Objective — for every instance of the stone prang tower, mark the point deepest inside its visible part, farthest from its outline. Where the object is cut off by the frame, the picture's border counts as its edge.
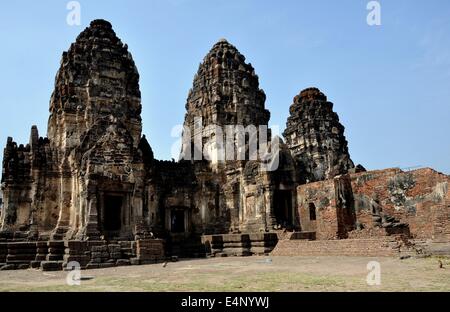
(226, 90)
(92, 157)
(316, 137)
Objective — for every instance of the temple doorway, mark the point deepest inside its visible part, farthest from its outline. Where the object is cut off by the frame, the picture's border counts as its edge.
(177, 221)
(112, 213)
(283, 207)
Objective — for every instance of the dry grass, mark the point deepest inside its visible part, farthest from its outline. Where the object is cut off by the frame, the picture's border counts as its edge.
(246, 274)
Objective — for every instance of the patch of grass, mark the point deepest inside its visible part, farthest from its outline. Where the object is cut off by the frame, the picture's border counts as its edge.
(247, 275)
(270, 281)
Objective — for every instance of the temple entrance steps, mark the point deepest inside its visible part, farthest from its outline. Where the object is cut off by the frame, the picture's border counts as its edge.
(294, 235)
(303, 236)
(21, 254)
(224, 245)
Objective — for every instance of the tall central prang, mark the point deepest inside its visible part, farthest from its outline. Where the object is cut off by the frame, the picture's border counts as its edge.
(226, 90)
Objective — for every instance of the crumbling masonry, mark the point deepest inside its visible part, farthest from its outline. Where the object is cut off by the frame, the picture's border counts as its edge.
(92, 192)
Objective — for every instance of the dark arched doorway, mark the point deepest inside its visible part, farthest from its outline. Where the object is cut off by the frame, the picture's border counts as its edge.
(283, 207)
(113, 213)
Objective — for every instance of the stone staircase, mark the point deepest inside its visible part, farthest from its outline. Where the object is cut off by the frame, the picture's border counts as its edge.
(21, 254)
(224, 245)
(294, 235)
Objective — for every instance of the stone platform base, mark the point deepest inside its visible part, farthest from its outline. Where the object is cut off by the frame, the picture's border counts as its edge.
(345, 247)
(223, 245)
(59, 255)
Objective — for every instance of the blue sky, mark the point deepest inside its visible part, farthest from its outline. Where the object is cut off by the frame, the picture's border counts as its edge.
(390, 84)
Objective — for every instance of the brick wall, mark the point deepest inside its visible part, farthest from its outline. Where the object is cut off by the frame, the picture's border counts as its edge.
(332, 203)
(417, 198)
(442, 220)
(344, 247)
(322, 196)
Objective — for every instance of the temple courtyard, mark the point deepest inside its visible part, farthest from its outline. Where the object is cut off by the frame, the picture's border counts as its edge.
(246, 274)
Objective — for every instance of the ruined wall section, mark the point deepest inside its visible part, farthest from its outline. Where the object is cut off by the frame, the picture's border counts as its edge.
(376, 204)
(29, 184)
(327, 208)
(417, 198)
(16, 186)
(317, 209)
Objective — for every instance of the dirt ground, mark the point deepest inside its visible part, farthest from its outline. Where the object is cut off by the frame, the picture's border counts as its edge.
(246, 274)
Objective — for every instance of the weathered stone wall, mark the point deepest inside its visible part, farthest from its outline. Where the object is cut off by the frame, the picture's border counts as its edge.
(30, 186)
(56, 255)
(149, 251)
